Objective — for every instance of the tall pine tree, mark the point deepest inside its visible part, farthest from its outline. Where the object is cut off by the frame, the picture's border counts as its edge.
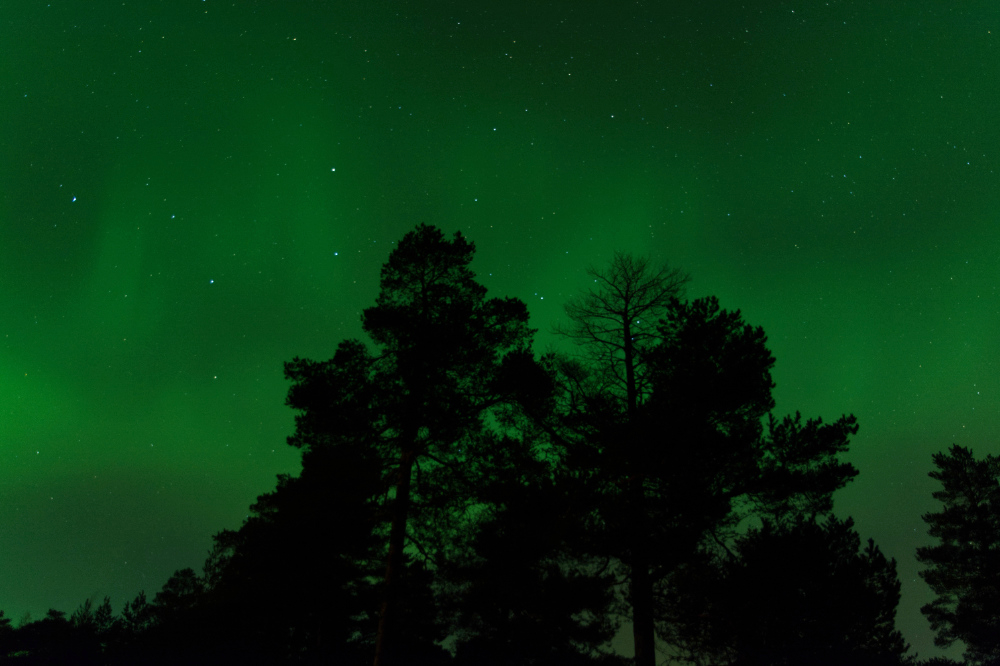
(442, 349)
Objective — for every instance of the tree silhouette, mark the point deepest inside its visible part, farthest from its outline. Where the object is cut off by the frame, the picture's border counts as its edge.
(443, 359)
(964, 567)
(519, 592)
(132, 624)
(710, 460)
(295, 583)
(6, 630)
(385, 446)
(54, 640)
(442, 347)
(295, 577)
(799, 593)
(680, 458)
(454, 487)
(615, 324)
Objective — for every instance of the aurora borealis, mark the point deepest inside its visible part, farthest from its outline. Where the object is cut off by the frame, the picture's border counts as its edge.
(193, 192)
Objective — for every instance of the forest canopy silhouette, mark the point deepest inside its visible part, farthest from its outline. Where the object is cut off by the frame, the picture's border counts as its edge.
(465, 500)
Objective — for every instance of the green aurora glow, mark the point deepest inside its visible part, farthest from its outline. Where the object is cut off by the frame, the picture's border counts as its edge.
(193, 192)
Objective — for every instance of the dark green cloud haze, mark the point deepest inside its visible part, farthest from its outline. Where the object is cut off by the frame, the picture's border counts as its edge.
(193, 192)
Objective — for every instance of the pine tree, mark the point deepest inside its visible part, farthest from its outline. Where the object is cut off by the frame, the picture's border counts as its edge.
(442, 348)
(803, 592)
(963, 569)
(522, 591)
(675, 449)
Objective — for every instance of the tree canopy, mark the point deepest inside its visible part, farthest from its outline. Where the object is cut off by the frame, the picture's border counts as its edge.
(800, 592)
(678, 458)
(462, 501)
(963, 568)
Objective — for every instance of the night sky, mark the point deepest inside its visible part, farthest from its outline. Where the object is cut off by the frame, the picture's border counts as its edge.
(193, 192)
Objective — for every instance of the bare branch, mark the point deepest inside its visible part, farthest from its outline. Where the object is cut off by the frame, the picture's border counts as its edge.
(614, 322)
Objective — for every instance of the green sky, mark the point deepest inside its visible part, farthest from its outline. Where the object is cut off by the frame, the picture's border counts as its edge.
(194, 191)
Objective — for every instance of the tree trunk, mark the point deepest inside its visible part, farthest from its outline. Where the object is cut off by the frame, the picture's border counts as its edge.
(640, 589)
(631, 395)
(394, 567)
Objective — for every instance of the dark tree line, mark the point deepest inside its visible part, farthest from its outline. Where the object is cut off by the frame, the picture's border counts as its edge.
(465, 501)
